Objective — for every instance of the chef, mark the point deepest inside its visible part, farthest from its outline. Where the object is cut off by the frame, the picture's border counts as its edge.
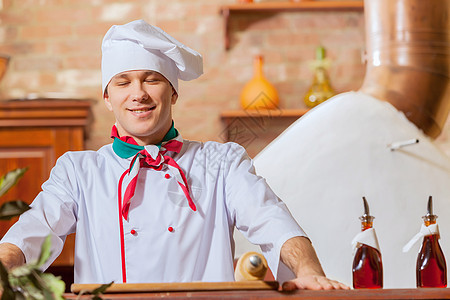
(152, 206)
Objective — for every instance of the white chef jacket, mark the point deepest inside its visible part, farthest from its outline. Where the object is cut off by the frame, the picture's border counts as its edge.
(164, 240)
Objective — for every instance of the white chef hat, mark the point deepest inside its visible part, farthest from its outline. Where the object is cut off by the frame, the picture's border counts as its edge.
(140, 46)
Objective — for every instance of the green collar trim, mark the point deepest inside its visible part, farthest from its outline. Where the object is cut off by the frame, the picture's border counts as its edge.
(126, 150)
(171, 134)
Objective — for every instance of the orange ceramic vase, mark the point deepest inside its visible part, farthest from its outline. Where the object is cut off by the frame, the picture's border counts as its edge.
(3, 65)
(259, 93)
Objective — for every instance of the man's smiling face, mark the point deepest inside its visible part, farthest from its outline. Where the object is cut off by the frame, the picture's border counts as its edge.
(142, 102)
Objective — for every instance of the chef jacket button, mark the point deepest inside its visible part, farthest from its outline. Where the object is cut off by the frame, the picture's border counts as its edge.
(133, 232)
(170, 229)
(167, 176)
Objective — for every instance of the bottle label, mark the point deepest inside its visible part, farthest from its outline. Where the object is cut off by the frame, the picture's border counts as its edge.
(424, 231)
(367, 237)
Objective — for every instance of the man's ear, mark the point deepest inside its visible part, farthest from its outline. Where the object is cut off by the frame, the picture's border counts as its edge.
(174, 96)
(107, 101)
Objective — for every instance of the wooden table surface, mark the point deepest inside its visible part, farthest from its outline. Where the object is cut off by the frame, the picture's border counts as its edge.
(424, 293)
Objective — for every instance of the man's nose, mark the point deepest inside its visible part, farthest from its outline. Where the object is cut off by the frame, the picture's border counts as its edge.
(138, 92)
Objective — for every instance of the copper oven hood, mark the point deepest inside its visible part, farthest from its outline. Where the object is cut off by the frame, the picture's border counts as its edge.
(408, 58)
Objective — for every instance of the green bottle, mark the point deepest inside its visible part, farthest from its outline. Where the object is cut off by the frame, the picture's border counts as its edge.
(320, 89)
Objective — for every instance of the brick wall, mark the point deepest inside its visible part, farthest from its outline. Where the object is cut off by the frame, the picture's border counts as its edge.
(55, 48)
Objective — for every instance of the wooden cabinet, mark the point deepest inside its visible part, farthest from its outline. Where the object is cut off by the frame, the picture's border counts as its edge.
(33, 134)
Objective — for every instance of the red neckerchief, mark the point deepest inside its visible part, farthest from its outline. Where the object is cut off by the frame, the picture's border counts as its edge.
(155, 160)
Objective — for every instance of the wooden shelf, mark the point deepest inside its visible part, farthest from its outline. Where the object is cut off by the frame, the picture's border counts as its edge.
(274, 7)
(275, 113)
(295, 6)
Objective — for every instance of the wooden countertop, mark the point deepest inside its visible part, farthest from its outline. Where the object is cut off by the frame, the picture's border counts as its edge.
(424, 293)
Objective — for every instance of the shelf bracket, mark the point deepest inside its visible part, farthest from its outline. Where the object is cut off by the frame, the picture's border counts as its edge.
(226, 26)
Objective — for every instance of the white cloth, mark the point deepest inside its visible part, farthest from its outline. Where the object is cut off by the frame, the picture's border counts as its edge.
(338, 152)
(424, 231)
(367, 237)
(140, 46)
(81, 196)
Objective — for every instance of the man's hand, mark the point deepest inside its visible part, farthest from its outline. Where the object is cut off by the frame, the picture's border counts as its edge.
(11, 256)
(313, 282)
(299, 255)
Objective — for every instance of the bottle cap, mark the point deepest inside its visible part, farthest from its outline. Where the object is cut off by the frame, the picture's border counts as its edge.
(366, 217)
(430, 217)
(320, 53)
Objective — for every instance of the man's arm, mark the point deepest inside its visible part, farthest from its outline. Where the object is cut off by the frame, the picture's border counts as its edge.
(11, 256)
(298, 254)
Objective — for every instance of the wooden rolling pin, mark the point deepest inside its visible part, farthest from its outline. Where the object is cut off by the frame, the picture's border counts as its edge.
(250, 266)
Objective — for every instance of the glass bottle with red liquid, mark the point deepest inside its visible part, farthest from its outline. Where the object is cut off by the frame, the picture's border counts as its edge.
(367, 266)
(431, 269)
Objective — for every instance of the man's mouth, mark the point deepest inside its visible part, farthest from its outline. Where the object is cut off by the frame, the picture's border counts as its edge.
(141, 109)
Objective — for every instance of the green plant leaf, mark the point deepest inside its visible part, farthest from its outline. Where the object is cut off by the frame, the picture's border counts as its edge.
(18, 296)
(45, 251)
(10, 294)
(54, 285)
(21, 271)
(48, 295)
(6, 286)
(101, 289)
(4, 278)
(31, 287)
(10, 179)
(12, 209)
